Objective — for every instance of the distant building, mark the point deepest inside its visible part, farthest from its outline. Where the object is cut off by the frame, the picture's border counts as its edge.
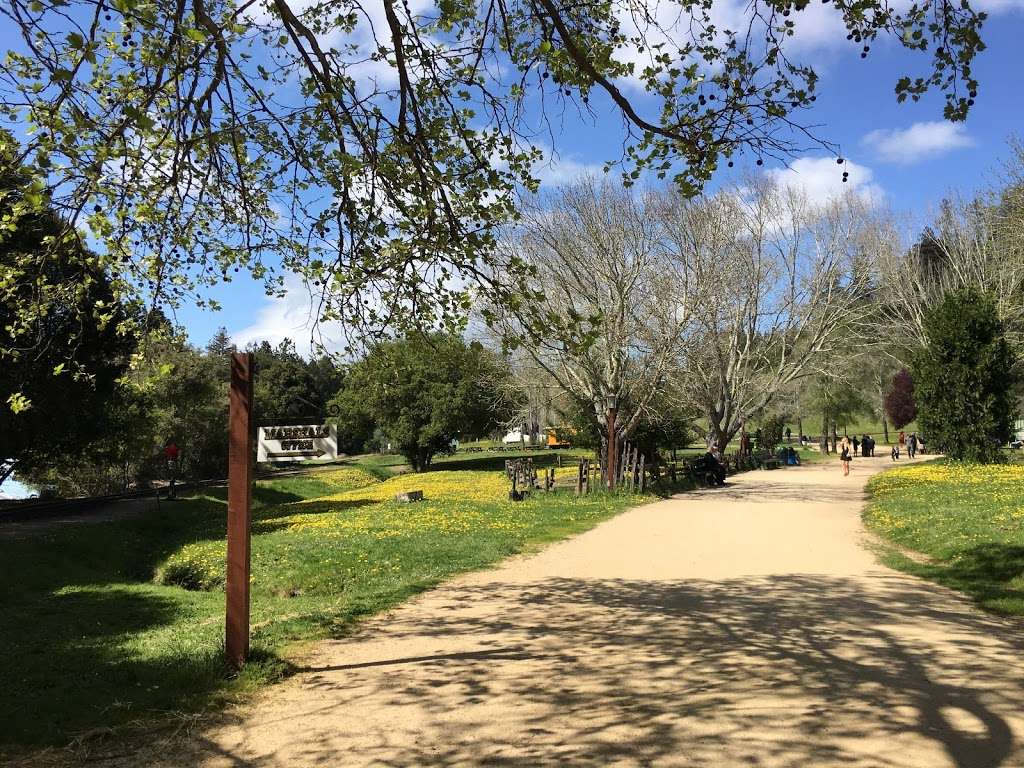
(524, 437)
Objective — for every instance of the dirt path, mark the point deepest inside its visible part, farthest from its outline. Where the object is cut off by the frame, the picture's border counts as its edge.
(746, 626)
(115, 510)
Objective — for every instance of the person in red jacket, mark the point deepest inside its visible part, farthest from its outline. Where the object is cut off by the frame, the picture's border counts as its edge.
(171, 453)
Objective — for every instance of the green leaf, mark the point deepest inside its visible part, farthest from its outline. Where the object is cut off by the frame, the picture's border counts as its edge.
(140, 118)
(18, 402)
(76, 41)
(195, 35)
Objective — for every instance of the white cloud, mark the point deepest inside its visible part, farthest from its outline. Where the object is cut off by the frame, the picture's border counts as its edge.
(559, 171)
(920, 141)
(821, 179)
(293, 316)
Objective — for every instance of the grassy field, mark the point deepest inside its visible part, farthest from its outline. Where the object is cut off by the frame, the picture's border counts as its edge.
(968, 520)
(115, 622)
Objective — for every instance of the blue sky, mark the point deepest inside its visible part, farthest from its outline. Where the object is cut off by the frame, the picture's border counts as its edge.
(903, 155)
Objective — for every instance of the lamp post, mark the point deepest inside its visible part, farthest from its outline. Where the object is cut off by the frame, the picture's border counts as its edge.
(612, 404)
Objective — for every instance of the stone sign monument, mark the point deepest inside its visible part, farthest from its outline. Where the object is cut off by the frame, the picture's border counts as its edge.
(297, 443)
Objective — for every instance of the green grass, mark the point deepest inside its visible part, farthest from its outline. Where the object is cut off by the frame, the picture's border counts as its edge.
(114, 622)
(965, 521)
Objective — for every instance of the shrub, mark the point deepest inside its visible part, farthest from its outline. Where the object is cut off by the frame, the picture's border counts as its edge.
(198, 567)
(771, 433)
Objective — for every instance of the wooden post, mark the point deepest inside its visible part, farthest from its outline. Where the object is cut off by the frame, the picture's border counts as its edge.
(236, 625)
(642, 479)
(612, 439)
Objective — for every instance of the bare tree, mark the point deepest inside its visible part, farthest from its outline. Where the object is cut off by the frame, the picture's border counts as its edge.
(973, 243)
(778, 278)
(606, 313)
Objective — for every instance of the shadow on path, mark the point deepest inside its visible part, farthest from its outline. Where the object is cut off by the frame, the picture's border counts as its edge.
(795, 670)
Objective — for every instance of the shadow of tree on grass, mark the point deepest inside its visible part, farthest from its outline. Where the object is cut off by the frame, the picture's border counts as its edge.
(992, 574)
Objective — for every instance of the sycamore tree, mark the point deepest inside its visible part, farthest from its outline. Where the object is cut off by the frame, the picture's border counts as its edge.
(779, 281)
(605, 316)
(372, 145)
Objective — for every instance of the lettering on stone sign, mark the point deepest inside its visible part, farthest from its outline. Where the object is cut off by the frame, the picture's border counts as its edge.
(297, 433)
(297, 445)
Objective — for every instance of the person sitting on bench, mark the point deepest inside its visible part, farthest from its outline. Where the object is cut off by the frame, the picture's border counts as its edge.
(712, 467)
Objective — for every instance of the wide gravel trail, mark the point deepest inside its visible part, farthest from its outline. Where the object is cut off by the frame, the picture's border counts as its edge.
(743, 626)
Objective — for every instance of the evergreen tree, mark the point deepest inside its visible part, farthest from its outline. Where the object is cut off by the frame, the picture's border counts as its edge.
(423, 393)
(963, 377)
(221, 344)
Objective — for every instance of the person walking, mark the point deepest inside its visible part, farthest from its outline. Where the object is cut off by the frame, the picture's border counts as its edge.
(172, 453)
(845, 455)
(789, 434)
(856, 444)
(912, 445)
(895, 453)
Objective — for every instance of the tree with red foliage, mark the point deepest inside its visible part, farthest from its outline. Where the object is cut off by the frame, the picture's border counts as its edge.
(899, 402)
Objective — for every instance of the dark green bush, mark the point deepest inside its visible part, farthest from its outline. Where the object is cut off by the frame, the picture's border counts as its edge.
(963, 377)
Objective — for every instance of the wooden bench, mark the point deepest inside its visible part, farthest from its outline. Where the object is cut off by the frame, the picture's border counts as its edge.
(766, 460)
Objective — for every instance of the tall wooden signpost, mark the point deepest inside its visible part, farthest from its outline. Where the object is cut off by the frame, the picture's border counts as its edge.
(236, 639)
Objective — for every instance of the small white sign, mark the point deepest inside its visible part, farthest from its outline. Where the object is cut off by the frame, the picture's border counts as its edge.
(297, 443)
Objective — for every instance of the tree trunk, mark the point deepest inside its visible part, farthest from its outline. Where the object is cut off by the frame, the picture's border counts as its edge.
(716, 435)
(823, 442)
(834, 436)
(885, 429)
(799, 429)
